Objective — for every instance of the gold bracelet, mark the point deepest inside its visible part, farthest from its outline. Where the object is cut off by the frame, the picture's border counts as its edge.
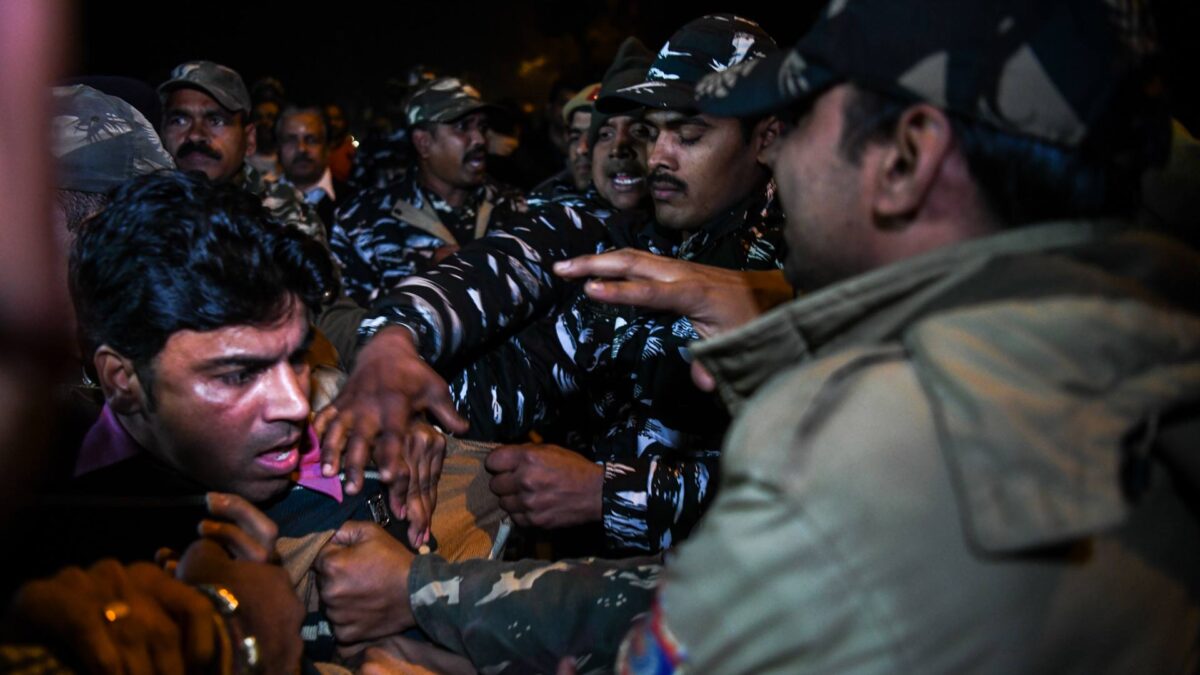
(249, 661)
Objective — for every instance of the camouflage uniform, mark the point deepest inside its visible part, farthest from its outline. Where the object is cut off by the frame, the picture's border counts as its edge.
(384, 235)
(522, 617)
(283, 202)
(614, 383)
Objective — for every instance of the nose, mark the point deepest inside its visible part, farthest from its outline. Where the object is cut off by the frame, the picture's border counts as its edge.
(477, 136)
(622, 144)
(287, 398)
(662, 153)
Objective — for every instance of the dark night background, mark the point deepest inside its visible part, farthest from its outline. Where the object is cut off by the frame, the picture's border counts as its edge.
(346, 49)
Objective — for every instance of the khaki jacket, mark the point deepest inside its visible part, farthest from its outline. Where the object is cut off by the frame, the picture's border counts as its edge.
(976, 460)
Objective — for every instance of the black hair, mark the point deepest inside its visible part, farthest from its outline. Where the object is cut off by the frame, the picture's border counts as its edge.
(79, 206)
(1023, 180)
(174, 251)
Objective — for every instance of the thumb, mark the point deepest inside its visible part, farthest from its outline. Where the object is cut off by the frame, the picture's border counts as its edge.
(352, 532)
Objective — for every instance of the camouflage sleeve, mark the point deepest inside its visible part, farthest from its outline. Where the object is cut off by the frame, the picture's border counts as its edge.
(652, 503)
(350, 245)
(491, 287)
(286, 204)
(511, 389)
(525, 616)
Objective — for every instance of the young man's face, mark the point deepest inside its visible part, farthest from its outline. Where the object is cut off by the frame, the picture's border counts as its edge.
(579, 158)
(699, 167)
(203, 136)
(303, 150)
(619, 161)
(821, 194)
(457, 152)
(230, 406)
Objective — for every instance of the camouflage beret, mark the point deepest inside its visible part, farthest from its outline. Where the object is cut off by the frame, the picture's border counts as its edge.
(1050, 69)
(584, 100)
(100, 141)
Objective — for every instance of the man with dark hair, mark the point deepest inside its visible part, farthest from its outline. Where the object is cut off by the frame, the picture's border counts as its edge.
(969, 446)
(445, 201)
(193, 308)
(207, 128)
(303, 135)
(575, 178)
(646, 447)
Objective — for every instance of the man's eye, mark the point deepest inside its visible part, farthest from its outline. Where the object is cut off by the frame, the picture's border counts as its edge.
(240, 377)
(176, 121)
(605, 134)
(643, 132)
(216, 121)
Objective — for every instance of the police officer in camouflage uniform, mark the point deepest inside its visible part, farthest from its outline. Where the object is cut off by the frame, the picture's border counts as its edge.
(445, 201)
(651, 452)
(206, 127)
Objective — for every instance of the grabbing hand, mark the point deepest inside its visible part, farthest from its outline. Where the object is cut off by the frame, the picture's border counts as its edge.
(389, 385)
(238, 525)
(362, 577)
(113, 618)
(546, 486)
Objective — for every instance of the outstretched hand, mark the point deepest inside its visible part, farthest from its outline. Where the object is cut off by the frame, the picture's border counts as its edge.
(714, 299)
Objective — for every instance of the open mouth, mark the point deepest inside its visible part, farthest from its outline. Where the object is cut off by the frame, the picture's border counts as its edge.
(626, 182)
(282, 459)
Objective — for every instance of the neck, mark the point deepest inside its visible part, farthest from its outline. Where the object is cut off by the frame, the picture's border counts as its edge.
(453, 195)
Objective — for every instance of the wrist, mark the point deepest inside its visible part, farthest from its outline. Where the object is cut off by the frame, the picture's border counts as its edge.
(240, 650)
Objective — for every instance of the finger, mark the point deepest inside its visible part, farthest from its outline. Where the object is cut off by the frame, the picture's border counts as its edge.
(165, 556)
(190, 610)
(566, 667)
(332, 431)
(240, 545)
(515, 505)
(245, 515)
(358, 451)
(389, 456)
(703, 379)
(353, 532)
(505, 484)
(624, 263)
(439, 404)
(641, 293)
(93, 643)
(417, 514)
(436, 461)
(504, 458)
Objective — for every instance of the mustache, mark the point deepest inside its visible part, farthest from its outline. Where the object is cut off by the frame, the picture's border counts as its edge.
(477, 152)
(189, 147)
(632, 167)
(659, 177)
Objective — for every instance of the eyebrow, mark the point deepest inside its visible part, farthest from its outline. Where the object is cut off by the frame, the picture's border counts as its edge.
(686, 121)
(257, 361)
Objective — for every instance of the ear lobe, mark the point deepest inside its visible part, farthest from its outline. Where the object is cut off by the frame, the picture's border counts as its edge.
(421, 141)
(909, 164)
(768, 133)
(118, 380)
(251, 139)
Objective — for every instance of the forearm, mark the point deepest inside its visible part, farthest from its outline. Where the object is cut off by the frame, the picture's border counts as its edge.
(490, 288)
(531, 613)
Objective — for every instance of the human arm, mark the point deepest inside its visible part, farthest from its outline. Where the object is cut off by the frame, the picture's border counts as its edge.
(715, 299)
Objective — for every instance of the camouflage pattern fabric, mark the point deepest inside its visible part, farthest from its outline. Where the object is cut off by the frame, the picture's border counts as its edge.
(284, 203)
(98, 141)
(381, 160)
(524, 616)
(377, 245)
(612, 383)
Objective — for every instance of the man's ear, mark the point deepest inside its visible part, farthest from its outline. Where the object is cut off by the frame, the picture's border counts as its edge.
(908, 165)
(251, 139)
(422, 140)
(118, 380)
(766, 135)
